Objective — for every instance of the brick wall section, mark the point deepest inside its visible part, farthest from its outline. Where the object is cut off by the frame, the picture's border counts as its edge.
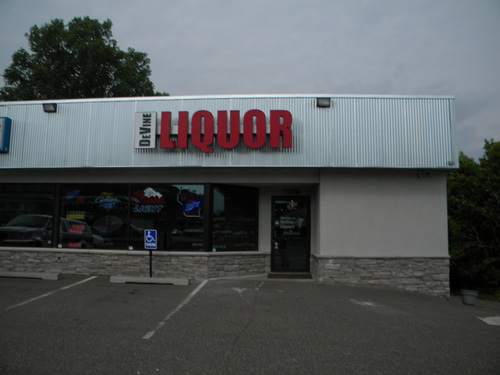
(422, 275)
(134, 263)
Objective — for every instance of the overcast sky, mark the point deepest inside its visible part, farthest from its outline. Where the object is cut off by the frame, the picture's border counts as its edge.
(388, 47)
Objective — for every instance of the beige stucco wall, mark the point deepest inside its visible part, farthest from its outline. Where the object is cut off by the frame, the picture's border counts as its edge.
(400, 213)
(284, 177)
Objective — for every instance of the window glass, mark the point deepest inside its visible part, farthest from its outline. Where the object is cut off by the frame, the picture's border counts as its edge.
(26, 214)
(235, 212)
(114, 216)
(175, 211)
(94, 216)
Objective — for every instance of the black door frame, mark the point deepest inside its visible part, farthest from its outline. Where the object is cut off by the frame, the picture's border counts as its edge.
(275, 245)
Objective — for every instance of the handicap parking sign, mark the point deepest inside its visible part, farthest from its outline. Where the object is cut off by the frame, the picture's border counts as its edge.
(150, 237)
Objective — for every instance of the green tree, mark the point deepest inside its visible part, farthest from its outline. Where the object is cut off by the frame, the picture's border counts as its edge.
(77, 60)
(474, 221)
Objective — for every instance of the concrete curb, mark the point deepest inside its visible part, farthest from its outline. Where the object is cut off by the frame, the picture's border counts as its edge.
(148, 280)
(31, 275)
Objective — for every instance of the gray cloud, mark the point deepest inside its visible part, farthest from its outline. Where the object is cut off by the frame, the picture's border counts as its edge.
(203, 47)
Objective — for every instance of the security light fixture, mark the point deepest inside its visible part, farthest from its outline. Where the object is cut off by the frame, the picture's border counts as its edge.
(50, 107)
(323, 102)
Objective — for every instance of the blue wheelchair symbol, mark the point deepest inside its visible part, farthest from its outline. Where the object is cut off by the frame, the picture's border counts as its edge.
(150, 236)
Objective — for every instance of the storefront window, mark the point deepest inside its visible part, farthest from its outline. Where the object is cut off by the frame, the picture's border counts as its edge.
(175, 211)
(115, 216)
(94, 216)
(234, 218)
(26, 214)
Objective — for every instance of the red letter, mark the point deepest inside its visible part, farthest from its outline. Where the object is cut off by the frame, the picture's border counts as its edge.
(182, 134)
(165, 141)
(234, 132)
(260, 129)
(197, 139)
(281, 123)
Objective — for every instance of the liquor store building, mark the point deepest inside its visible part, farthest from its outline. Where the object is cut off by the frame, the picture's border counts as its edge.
(346, 189)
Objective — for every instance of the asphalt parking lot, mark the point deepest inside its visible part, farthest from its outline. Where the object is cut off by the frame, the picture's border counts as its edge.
(87, 325)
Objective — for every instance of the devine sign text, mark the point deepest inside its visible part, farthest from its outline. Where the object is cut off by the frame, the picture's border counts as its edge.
(228, 129)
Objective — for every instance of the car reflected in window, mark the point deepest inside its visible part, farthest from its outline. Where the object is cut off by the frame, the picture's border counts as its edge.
(27, 230)
(32, 230)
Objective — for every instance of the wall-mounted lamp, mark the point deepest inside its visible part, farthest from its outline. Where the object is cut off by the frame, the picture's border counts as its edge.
(50, 107)
(323, 102)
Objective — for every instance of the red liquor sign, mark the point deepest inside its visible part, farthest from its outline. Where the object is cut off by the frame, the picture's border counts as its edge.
(227, 129)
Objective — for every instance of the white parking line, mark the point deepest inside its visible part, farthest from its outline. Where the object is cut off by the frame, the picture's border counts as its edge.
(181, 305)
(362, 303)
(48, 294)
(492, 320)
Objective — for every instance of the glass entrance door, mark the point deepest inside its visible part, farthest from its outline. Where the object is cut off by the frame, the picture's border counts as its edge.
(290, 248)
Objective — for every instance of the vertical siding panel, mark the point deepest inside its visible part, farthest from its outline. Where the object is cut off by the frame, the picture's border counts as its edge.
(357, 131)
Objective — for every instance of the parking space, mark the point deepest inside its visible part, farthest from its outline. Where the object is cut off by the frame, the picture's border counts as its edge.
(82, 325)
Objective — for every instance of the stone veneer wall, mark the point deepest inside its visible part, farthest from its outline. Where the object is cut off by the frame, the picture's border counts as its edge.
(134, 263)
(423, 275)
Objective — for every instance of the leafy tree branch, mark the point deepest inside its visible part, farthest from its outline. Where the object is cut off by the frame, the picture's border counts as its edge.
(77, 60)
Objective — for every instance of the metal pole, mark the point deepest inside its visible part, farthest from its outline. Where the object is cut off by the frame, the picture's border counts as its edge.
(150, 263)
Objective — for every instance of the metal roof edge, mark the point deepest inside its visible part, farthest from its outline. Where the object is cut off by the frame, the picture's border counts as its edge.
(238, 96)
(230, 167)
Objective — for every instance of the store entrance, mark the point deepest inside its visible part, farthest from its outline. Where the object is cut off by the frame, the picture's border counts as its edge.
(290, 234)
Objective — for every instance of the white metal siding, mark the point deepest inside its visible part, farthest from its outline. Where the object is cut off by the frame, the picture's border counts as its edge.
(356, 132)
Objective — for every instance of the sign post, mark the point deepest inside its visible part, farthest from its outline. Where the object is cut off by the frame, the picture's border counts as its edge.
(150, 243)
